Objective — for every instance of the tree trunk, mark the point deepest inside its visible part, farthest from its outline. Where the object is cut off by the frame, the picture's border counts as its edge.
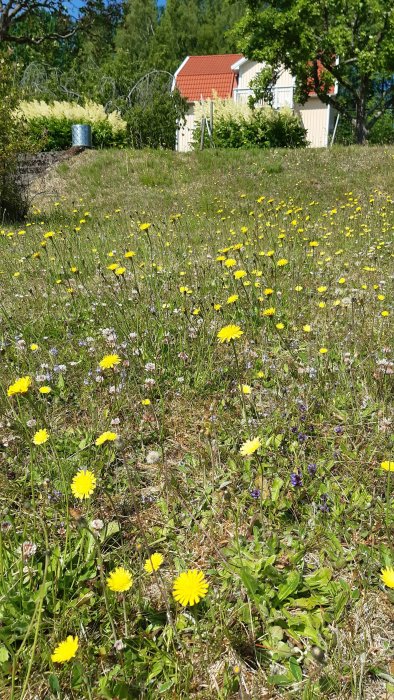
(361, 112)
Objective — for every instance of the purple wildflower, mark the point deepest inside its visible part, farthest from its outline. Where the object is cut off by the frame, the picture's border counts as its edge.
(296, 479)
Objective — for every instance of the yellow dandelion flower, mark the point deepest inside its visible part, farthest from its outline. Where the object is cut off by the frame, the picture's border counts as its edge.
(269, 312)
(145, 402)
(268, 291)
(249, 447)
(34, 347)
(246, 389)
(83, 484)
(45, 390)
(387, 576)
(120, 580)
(385, 314)
(107, 436)
(41, 436)
(109, 361)
(112, 267)
(232, 299)
(282, 262)
(217, 307)
(21, 386)
(239, 274)
(65, 650)
(129, 254)
(306, 328)
(298, 288)
(120, 271)
(323, 351)
(280, 326)
(190, 587)
(322, 289)
(228, 333)
(154, 562)
(387, 466)
(230, 262)
(145, 226)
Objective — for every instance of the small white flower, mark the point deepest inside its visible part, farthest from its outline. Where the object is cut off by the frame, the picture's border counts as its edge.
(152, 457)
(97, 524)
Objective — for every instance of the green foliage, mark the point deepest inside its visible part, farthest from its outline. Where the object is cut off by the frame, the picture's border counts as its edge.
(154, 124)
(13, 194)
(383, 130)
(192, 27)
(381, 133)
(54, 133)
(350, 43)
(266, 128)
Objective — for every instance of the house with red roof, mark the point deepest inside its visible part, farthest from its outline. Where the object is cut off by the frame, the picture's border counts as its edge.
(201, 79)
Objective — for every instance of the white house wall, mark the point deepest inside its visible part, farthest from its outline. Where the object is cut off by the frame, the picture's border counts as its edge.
(283, 91)
(248, 71)
(184, 136)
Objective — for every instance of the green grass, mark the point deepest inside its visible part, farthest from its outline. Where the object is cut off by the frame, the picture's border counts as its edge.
(296, 607)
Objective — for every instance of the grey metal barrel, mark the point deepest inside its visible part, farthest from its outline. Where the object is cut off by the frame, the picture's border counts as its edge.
(81, 135)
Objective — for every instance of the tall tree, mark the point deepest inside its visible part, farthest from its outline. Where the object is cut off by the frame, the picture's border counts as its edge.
(134, 38)
(348, 42)
(191, 27)
(21, 21)
(98, 22)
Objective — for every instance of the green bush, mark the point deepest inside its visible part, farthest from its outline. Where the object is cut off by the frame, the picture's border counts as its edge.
(383, 131)
(54, 133)
(265, 128)
(154, 124)
(13, 192)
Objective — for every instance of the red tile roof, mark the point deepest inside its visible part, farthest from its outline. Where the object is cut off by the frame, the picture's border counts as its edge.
(207, 76)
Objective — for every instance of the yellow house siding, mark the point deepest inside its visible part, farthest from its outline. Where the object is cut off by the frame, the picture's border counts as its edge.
(314, 115)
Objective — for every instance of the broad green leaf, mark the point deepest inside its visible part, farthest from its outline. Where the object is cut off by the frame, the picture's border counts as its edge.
(112, 528)
(276, 487)
(165, 686)
(295, 669)
(54, 683)
(4, 655)
(314, 601)
(319, 579)
(280, 679)
(287, 589)
(250, 582)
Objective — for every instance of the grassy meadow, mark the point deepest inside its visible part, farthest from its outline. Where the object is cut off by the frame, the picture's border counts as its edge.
(260, 460)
